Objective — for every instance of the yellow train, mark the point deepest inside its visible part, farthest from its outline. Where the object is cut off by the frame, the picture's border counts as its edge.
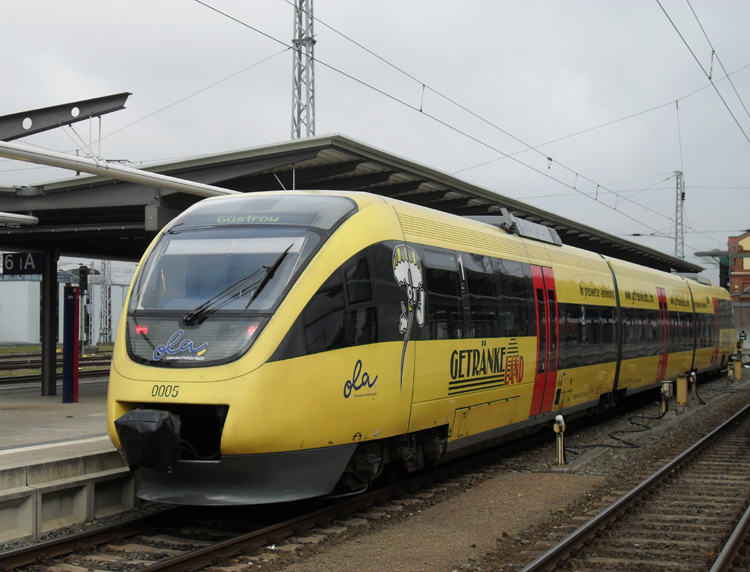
(284, 345)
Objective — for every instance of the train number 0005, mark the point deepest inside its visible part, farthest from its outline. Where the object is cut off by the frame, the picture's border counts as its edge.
(161, 390)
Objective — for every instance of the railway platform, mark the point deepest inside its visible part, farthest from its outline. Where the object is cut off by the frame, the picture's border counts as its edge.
(57, 464)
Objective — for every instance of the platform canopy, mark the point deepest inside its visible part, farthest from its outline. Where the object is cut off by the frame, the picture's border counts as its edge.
(97, 217)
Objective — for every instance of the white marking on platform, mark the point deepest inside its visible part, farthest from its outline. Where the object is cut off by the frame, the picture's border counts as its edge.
(51, 445)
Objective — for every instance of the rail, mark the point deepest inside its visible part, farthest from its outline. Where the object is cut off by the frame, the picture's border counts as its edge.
(553, 557)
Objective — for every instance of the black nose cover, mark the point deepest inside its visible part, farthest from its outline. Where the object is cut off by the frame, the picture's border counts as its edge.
(149, 438)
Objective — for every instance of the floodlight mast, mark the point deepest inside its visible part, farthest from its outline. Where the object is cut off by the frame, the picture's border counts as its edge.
(109, 170)
(303, 72)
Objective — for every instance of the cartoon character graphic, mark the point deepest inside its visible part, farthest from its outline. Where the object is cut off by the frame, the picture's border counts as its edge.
(407, 270)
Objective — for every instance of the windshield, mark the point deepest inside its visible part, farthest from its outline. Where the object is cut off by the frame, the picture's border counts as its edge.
(188, 269)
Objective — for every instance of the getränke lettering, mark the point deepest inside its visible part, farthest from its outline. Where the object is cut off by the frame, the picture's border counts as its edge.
(468, 364)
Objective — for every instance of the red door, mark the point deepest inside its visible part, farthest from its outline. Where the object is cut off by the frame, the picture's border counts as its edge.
(663, 334)
(547, 327)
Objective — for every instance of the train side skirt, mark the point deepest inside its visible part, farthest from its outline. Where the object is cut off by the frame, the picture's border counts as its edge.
(247, 479)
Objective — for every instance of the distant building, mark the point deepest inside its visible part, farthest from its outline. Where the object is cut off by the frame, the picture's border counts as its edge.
(20, 309)
(739, 279)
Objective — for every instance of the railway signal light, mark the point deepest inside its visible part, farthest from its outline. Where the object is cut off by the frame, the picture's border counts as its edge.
(83, 278)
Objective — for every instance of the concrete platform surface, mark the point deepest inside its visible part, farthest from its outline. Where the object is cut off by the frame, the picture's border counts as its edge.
(57, 464)
(37, 428)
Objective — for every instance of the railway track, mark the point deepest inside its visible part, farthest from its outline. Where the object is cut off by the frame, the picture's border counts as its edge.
(12, 379)
(180, 542)
(16, 362)
(34, 361)
(175, 540)
(679, 518)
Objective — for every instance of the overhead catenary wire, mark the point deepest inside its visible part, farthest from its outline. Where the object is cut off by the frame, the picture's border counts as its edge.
(601, 125)
(529, 147)
(449, 126)
(423, 87)
(714, 54)
(704, 71)
(214, 84)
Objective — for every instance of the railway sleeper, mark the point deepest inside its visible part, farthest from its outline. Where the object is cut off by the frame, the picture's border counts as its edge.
(656, 544)
(623, 564)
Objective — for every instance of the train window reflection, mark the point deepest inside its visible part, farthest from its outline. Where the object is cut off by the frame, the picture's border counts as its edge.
(483, 297)
(358, 281)
(187, 269)
(444, 295)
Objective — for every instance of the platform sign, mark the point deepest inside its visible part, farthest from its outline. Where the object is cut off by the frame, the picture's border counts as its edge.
(743, 335)
(22, 263)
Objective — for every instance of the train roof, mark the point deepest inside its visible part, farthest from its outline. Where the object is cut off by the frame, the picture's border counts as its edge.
(97, 217)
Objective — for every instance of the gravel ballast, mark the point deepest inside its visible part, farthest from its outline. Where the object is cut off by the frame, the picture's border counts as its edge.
(457, 531)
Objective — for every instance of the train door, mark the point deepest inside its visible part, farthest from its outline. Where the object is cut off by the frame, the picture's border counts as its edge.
(663, 334)
(547, 322)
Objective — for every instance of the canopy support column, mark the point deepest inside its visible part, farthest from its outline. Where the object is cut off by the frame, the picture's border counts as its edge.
(49, 323)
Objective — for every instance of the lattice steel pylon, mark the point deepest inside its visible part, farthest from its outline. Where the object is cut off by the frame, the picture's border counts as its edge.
(105, 306)
(303, 88)
(679, 227)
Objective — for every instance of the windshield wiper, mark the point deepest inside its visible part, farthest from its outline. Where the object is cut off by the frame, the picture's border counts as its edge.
(270, 270)
(234, 290)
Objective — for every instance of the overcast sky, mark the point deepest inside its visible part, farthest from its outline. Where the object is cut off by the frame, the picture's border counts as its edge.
(537, 70)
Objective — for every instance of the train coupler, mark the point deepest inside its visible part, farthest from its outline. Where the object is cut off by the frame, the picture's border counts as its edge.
(149, 438)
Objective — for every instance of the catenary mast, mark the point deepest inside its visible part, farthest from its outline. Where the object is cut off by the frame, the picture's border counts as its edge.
(679, 228)
(303, 88)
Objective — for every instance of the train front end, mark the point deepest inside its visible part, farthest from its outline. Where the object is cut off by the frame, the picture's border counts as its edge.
(190, 405)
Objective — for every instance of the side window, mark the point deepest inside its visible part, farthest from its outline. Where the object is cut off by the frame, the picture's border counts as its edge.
(571, 332)
(389, 295)
(443, 286)
(519, 313)
(484, 298)
(593, 331)
(652, 325)
(358, 281)
(609, 339)
(361, 315)
(342, 313)
(587, 335)
(323, 318)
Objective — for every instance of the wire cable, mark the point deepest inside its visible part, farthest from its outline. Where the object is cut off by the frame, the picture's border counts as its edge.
(197, 92)
(479, 117)
(704, 71)
(452, 127)
(713, 53)
(604, 124)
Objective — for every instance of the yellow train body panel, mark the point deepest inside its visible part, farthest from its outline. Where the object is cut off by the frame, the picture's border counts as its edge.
(400, 333)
